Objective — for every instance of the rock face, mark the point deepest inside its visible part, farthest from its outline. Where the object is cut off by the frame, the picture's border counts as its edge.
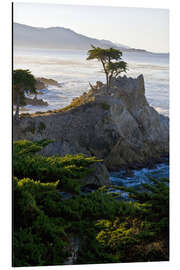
(117, 126)
(99, 177)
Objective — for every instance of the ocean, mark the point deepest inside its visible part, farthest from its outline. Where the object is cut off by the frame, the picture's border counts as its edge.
(135, 178)
(71, 69)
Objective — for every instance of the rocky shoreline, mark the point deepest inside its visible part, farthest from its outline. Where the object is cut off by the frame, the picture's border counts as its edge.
(46, 82)
(149, 164)
(36, 102)
(117, 126)
(41, 83)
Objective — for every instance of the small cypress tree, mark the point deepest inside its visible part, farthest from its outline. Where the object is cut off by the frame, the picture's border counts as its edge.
(111, 61)
(23, 82)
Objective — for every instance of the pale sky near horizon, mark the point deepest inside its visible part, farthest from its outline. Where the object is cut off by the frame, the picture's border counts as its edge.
(139, 28)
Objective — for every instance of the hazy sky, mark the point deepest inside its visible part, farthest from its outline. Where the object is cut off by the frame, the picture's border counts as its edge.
(136, 27)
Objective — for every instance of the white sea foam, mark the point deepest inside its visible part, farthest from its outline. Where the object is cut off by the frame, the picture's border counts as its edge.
(138, 177)
(73, 71)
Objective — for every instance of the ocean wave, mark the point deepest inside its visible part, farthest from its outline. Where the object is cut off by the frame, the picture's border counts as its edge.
(135, 178)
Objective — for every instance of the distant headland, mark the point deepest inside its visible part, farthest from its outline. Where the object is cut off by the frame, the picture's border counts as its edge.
(60, 38)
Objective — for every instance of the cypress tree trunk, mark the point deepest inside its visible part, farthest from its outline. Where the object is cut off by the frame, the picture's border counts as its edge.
(105, 71)
(110, 78)
(17, 107)
(107, 81)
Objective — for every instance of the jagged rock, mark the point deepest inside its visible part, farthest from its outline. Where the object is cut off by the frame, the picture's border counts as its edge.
(35, 101)
(99, 84)
(117, 125)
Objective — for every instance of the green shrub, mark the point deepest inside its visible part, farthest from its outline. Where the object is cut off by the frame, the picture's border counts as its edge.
(39, 237)
(28, 163)
(110, 228)
(137, 231)
(113, 230)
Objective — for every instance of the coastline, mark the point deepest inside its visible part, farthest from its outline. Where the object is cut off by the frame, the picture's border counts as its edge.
(64, 65)
(66, 127)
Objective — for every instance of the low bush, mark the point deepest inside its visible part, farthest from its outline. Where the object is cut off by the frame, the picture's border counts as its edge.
(113, 230)
(38, 237)
(138, 231)
(110, 229)
(28, 163)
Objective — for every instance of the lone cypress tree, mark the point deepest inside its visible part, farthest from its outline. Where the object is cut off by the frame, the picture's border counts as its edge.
(111, 61)
(23, 82)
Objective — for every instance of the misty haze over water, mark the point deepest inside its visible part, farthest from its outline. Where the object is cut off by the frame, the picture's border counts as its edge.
(73, 71)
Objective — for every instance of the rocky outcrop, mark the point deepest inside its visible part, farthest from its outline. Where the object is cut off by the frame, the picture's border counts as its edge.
(43, 83)
(39, 85)
(117, 126)
(46, 82)
(35, 101)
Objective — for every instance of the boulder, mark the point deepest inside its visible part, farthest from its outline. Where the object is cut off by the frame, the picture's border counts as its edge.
(99, 177)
